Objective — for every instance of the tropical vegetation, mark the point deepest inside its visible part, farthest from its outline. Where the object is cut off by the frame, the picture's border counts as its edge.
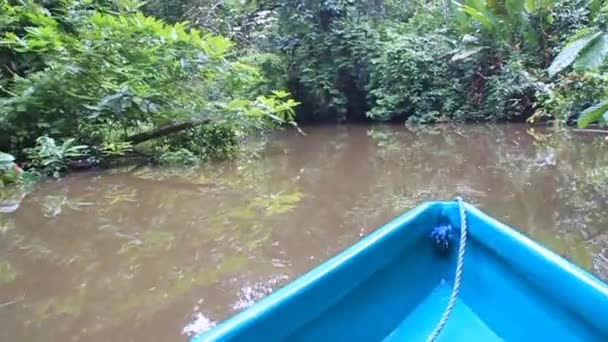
(82, 81)
(85, 82)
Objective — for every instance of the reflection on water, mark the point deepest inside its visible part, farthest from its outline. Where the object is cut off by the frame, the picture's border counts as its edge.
(199, 324)
(150, 254)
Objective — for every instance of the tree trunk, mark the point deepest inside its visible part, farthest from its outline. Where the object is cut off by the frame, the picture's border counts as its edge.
(166, 130)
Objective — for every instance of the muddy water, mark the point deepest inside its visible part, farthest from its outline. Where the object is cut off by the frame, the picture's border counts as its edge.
(158, 254)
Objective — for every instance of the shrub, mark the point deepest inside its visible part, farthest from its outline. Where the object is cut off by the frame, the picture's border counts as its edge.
(411, 78)
(511, 94)
(52, 158)
(100, 74)
(11, 173)
(573, 93)
(208, 142)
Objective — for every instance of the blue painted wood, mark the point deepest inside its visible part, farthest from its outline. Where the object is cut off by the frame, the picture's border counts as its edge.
(393, 286)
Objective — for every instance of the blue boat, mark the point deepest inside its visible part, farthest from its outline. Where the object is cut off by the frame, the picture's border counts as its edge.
(444, 271)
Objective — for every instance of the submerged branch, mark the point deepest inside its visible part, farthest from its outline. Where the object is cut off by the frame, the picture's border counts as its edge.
(590, 130)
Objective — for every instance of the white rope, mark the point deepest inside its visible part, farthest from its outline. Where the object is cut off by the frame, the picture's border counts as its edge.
(458, 276)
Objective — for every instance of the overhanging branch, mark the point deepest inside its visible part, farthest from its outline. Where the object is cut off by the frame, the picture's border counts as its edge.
(166, 130)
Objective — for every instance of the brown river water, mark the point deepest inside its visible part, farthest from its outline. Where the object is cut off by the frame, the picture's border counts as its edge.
(152, 254)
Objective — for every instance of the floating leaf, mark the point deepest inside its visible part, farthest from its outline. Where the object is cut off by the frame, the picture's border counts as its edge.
(7, 273)
(278, 203)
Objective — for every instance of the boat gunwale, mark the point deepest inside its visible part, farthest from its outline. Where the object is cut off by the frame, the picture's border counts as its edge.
(547, 254)
(493, 239)
(315, 275)
(546, 270)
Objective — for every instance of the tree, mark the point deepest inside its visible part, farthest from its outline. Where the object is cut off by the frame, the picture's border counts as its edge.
(108, 74)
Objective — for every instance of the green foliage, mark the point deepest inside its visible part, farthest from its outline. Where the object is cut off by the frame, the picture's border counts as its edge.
(52, 158)
(7, 169)
(594, 54)
(587, 47)
(277, 106)
(102, 72)
(418, 68)
(246, 22)
(420, 61)
(598, 112)
(511, 94)
(570, 16)
(202, 143)
(119, 148)
(179, 157)
(411, 78)
(87, 79)
(588, 52)
(572, 94)
(329, 69)
(11, 173)
(99, 72)
(512, 22)
(272, 68)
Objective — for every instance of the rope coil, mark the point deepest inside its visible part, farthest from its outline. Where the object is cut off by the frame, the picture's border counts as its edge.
(457, 277)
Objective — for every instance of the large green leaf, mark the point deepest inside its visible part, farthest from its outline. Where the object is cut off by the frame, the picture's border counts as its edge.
(514, 8)
(570, 52)
(594, 55)
(485, 20)
(593, 114)
(534, 6)
(479, 5)
(531, 6)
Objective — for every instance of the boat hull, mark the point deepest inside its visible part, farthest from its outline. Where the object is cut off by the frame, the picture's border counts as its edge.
(393, 285)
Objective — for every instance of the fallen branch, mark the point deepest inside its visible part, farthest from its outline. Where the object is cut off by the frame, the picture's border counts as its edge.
(590, 130)
(166, 130)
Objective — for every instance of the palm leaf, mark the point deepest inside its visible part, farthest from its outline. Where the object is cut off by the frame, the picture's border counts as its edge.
(594, 55)
(570, 52)
(593, 114)
(485, 20)
(479, 5)
(514, 8)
